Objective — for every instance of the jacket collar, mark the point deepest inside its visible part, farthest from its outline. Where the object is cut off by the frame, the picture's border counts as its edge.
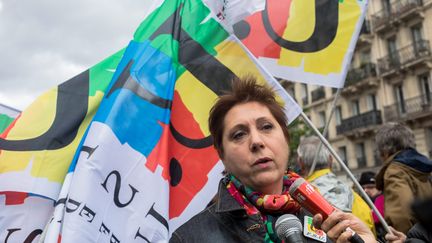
(317, 174)
(379, 178)
(225, 202)
(414, 160)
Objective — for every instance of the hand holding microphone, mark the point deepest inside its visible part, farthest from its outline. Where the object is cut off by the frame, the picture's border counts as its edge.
(339, 226)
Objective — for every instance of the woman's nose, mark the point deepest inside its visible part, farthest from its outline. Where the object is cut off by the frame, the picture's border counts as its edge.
(256, 147)
(256, 142)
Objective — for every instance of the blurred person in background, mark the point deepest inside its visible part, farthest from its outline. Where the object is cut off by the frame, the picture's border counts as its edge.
(421, 232)
(367, 182)
(333, 190)
(404, 176)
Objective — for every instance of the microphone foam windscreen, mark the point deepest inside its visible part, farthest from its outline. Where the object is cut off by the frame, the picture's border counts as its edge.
(286, 225)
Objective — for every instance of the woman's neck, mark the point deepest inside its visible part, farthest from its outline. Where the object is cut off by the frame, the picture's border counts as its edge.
(272, 190)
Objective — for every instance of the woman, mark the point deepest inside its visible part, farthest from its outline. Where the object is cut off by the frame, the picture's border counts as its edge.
(250, 134)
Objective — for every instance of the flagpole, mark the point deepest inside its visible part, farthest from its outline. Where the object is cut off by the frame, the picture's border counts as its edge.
(333, 106)
(345, 168)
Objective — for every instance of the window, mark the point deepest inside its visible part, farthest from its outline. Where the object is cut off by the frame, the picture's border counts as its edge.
(342, 152)
(417, 37)
(304, 94)
(425, 88)
(386, 6)
(338, 115)
(291, 91)
(321, 119)
(355, 107)
(365, 57)
(392, 50)
(361, 155)
(417, 34)
(371, 102)
(400, 99)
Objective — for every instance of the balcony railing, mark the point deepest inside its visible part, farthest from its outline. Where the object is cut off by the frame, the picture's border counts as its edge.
(402, 7)
(407, 109)
(359, 121)
(381, 18)
(356, 75)
(399, 9)
(318, 94)
(403, 56)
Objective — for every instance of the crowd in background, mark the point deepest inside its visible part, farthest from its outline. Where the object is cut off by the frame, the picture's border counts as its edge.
(400, 190)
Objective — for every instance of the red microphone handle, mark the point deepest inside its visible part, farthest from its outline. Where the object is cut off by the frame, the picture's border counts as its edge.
(306, 195)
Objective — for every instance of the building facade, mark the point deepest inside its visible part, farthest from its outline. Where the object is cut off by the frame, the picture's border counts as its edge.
(389, 80)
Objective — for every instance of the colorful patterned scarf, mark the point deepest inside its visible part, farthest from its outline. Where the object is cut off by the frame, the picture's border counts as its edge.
(268, 206)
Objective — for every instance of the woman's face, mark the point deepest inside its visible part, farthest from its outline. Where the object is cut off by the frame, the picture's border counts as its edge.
(255, 148)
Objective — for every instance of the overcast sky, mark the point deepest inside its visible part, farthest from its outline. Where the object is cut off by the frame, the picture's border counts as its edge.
(45, 42)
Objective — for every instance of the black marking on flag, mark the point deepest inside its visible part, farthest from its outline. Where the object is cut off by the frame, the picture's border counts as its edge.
(175, 171)
(158, 217)
(75, 205)
(32, 235)
(29, 238)
(189, 142)
(117, 189)
(10, 231)
(326, 25)
(71, 109)
(60, 201)
(242, 29)
(125, 81)
(89, 150)
(138, 234)
(204, 66)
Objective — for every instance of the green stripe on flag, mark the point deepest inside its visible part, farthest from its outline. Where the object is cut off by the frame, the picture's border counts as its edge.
(5, 120)
(101, 73)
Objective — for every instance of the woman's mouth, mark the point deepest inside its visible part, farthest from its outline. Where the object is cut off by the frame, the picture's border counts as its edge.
(263, 162)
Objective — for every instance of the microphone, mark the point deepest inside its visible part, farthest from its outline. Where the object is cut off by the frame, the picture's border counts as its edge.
(289, 229)
(306, 195)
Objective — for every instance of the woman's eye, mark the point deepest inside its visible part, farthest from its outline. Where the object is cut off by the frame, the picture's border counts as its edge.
(238, 135)
(267, 126)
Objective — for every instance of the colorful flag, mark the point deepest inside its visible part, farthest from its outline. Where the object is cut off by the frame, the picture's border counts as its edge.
(310, 41)
(37, 148)
(147, 163)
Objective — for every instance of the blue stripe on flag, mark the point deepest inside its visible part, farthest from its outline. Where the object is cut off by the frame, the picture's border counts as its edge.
(140, 97)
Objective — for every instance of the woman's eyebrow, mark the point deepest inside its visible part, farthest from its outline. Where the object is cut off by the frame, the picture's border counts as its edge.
(262, 119)
(237, 127)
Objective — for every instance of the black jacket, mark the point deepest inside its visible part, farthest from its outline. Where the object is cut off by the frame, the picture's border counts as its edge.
(418, 234)
(224, 221)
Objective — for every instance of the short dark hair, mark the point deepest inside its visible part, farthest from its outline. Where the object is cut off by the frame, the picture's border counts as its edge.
(244, 90)
(393, 137)
(367, 177)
